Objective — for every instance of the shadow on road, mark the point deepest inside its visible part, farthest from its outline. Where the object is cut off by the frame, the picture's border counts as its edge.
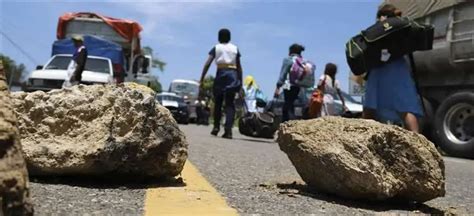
(295, 188)
(256, 140)
(110, 182)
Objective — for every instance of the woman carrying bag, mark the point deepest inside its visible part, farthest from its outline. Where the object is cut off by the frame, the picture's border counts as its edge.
(322, 99)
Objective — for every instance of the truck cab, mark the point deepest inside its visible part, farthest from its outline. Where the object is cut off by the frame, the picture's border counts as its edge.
(98, 70)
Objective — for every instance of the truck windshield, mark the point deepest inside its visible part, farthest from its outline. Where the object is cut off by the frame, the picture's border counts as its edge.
(97, 65)
(191, 90)
(346, 97)
(59, 63)
(92, 64)
(349, 98)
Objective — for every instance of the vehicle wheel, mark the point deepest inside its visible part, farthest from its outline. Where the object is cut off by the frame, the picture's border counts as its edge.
(185, 120)
(426, 123)
(454, 125)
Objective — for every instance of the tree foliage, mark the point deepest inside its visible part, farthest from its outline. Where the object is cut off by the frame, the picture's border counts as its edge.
(156, 62)
(156, 85)
(15, 74)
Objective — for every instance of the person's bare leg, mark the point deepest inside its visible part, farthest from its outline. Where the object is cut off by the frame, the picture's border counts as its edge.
(368, 113)
(411, 122)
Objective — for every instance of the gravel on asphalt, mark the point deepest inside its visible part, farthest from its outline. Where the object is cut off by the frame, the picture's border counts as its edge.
(66, 196)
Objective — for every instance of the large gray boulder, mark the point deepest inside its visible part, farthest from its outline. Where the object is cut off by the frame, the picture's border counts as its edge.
(363, 159)
(14, 192)
(99, 130)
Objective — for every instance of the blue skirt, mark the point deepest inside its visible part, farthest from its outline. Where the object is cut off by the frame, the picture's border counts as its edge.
(226, 81)
(390, 90)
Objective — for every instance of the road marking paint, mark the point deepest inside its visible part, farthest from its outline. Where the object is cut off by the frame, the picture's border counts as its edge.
(198, 197)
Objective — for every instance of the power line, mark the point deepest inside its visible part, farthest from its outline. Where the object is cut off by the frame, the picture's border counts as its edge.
(19, 48)
(7, 24)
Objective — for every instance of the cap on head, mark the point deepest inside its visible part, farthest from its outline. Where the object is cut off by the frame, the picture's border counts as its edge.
(77, 38)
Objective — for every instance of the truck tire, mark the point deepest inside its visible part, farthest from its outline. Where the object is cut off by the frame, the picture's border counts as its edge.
(454, 125)
(426, 123)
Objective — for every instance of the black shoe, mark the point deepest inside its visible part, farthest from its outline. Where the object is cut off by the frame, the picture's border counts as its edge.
(227, 134)
(215, 131)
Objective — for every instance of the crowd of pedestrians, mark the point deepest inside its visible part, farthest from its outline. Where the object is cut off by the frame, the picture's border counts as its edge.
(389, 87)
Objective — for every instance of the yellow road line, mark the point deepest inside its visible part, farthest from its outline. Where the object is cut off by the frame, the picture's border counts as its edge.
(198, 197)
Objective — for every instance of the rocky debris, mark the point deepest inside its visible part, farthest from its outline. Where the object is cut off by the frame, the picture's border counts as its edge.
(363, 159)
(14, 191)
(99, 130)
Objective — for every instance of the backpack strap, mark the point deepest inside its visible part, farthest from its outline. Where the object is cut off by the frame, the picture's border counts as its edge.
(322, 87)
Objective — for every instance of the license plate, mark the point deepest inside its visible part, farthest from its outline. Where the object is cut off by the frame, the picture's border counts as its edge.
(298, 111)
(38, 82)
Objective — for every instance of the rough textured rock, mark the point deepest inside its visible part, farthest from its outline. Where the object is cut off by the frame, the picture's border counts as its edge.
(363, 159)
(14, 192)
(99, 130)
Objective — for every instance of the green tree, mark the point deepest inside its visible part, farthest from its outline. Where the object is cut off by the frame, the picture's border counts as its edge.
(14, 73)
(156, 85)
(156, 62)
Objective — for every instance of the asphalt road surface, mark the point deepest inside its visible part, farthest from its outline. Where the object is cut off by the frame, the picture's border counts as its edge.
(253, 175)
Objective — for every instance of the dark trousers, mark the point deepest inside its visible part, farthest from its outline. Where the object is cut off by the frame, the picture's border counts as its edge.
(229, 97)
(289, 107)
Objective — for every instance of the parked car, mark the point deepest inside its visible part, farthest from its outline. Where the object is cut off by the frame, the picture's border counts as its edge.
(176, 105)
(354, 107)
(98, 70)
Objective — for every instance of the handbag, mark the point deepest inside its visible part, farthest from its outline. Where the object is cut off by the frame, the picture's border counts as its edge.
(316, 101)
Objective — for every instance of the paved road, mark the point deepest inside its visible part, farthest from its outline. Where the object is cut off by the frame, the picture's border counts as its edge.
(257, 178)
(252, 174)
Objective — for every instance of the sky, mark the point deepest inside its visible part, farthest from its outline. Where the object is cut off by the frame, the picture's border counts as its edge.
(182, 32)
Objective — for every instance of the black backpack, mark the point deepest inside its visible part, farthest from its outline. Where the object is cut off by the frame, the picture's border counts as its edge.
(397, 36)
(258, 124)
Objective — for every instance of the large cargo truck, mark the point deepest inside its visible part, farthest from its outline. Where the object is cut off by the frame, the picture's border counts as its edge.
(99, 68)
(124, 32)
(446, 73)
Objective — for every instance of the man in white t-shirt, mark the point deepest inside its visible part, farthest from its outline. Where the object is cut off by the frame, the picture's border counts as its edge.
(228, 80)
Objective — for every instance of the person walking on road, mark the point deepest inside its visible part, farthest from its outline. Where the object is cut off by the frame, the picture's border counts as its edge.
(227, 83)
(290, 91)
(390, 87)
(78, 62)
(252, 94)
(331, 87)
